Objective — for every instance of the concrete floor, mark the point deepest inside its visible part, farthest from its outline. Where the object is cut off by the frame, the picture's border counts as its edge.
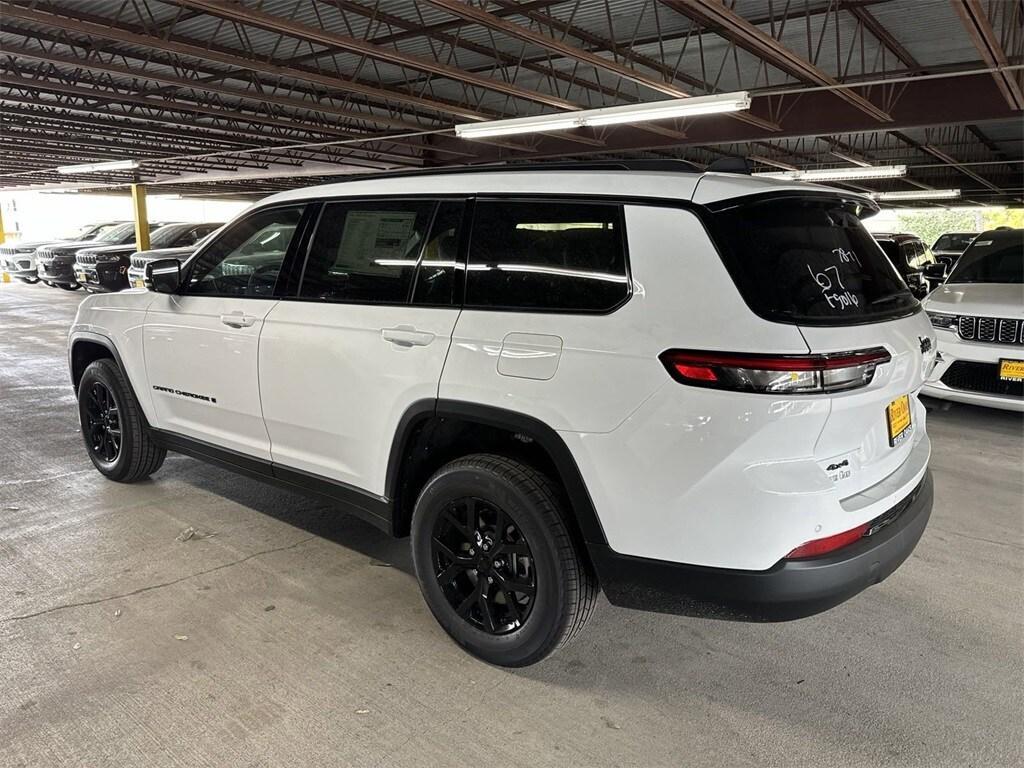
(308, 642)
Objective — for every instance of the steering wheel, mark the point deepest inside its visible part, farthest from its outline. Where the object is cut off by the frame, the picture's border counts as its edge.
(258, 285)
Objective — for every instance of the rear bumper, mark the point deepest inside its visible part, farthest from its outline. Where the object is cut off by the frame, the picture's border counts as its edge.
(791, 589)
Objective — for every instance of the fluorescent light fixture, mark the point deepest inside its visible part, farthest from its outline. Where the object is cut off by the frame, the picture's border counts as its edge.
(627, 113)
(849, 158)
(115, 165)
(839, 174)
(918, 194)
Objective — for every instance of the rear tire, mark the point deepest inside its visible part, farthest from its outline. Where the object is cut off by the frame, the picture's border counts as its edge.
(116, 437)
(495, 561)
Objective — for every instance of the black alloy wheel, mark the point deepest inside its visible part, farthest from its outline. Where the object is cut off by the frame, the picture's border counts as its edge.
(484, 565)
(495, 561)
(103, 423)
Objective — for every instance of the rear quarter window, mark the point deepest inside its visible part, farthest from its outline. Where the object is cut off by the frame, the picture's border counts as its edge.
(547, 256)
(809, 261)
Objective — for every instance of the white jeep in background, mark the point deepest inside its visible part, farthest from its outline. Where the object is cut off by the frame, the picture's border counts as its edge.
(978, 314)
(694, 391)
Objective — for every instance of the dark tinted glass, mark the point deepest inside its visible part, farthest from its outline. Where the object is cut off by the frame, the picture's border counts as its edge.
(435, 279)
(808, 260)
(366, 252)
(992, 259)
(169, 236)
(547, 256)
(953, 241)
(116, 235)
(246, 259)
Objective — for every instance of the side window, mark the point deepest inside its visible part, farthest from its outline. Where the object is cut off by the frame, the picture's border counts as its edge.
(547, 256)
(246, 259)
(439, 265)
(909, 255)
(366, 252)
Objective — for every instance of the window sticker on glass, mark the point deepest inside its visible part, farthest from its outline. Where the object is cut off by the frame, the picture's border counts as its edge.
(377, 235)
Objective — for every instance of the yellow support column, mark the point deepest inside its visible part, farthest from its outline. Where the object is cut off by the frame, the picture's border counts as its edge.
(141, 219)
(4, 277)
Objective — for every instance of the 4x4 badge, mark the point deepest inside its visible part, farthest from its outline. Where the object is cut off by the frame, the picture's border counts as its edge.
(926, 343)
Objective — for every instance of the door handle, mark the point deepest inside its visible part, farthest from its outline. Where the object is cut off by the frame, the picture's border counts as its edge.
(238, 320)
(407, 336)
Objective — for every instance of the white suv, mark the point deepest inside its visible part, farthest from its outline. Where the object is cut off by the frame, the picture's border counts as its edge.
(979, 317)
(697, 392)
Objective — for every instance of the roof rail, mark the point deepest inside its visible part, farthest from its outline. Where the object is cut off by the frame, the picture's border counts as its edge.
(643, 164)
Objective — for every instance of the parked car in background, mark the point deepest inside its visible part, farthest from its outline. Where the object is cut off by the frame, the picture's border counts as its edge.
(139, 259)
(523, 372)
(949, 246)
(105, 268)
(55, 261)
(978, 316)
(911, 257)
(19, 260)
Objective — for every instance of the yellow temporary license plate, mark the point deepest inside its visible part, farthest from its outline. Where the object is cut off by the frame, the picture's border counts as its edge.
(1011, 370)
(80, 276)
(897, 416)
(138, 283)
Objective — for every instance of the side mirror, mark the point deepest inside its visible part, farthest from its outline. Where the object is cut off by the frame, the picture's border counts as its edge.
(935, 271)
(163, 276)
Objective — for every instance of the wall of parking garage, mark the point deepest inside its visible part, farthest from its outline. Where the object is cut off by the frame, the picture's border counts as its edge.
(42, 215)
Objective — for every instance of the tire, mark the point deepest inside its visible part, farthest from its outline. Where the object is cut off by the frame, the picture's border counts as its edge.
(29, 280)
(469, 500)
(135, 456)
(68, 286)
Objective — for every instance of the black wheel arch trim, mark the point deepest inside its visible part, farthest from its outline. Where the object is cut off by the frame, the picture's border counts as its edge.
(581, 505)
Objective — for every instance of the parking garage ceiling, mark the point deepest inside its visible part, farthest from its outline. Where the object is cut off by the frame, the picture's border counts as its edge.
(224, 97)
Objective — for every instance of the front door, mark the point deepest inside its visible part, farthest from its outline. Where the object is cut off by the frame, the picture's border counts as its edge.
(201, 345)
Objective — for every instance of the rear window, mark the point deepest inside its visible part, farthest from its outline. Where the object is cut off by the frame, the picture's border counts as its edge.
(810, 261)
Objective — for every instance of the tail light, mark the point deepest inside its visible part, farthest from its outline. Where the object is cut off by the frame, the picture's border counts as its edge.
(781, 374)
(829, 543)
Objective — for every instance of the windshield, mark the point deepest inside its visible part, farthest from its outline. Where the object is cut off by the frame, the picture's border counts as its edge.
(954, 241)
(992, 259)
(810, 261)
(116, 234)
(165, 237)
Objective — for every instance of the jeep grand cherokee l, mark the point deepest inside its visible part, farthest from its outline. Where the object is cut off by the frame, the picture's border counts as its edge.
(695, 391)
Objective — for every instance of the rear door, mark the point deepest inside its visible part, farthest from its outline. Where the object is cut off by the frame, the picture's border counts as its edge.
(201, 345)
(808, 261)
(364, 336)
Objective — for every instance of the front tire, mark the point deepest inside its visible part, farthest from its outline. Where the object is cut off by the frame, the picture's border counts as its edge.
(29, 280)
(68, 286)
(116, 437)
(495, 561)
